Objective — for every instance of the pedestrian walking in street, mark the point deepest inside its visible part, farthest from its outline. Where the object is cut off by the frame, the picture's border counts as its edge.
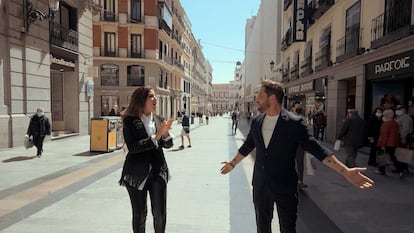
(207, 116)
(145, 169)
(234, 121)
(353, 135)
(296, 109)
(276, 134)
(185, 131)
(374, 125)
(389, 139)
(39, 127)
(319, 122)
(405, 122)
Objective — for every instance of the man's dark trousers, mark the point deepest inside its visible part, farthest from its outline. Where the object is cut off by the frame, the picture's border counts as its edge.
(286, 204)
(38, 142)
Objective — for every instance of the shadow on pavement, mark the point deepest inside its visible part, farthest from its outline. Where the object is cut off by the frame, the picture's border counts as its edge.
(89, 153)
(311, 218)
(175, 150)
(18, 158)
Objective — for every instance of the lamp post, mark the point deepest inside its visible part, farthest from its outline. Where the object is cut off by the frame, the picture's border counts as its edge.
(31, 15)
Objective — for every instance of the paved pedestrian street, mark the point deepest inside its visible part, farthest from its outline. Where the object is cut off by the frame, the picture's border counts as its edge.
(72, 190)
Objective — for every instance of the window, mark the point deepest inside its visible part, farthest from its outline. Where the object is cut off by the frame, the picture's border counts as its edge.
(308, 50)
(136, 11)
(296, 58)
(136, 46)
(163, 80)
(109, 105)
(109, 10)
(161, 77)
(110, 45)
(352, 27)
(109, 75)
(136, 75)
(325, 39)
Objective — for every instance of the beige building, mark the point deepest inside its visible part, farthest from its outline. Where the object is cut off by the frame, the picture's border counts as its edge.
(45, 63)
(262, 47)
(145, 43)
(220, 98)
(348, 54)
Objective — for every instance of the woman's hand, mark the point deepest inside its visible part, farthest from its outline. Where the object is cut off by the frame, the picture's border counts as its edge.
(163, 130)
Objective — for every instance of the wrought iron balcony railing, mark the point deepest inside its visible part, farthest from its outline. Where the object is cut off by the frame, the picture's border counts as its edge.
(390, 26)
(64, 37)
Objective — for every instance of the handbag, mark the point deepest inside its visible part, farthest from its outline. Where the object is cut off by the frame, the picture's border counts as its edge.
(383, 158)
(310, 164)
(28, 142)
(404, 155)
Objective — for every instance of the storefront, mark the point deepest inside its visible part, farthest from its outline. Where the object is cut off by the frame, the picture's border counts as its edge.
(308, 94)
(390, 82)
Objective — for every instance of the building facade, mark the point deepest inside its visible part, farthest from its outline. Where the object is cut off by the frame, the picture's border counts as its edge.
(145, 43)
(220, 98)
(262, 48)
(348, 54)
(45, 64)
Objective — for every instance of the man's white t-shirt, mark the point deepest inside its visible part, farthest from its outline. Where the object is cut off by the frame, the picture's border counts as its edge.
(268, 127)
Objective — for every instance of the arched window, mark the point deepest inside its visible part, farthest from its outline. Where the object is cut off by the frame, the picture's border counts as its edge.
(136, 75)
(109, 75)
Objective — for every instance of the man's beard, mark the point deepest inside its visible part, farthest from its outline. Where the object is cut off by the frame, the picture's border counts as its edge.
(263, 107)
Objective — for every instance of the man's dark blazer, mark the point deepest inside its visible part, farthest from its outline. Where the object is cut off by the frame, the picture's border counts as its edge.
(275, 165)
(143, 156)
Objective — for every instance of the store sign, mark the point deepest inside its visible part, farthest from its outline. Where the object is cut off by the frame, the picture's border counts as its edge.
(390, 66)
(394, 65)
(61, 61)
(302, 88)
(299, 20)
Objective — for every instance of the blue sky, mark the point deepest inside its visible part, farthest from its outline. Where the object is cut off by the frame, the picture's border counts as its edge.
(220, 25)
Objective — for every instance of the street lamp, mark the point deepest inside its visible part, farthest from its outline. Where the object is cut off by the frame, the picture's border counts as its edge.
(31, 15)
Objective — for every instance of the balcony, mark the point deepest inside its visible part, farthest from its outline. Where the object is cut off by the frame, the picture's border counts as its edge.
(107, 52)
(138, 19)
(391, 26)
(63, 37)
(167, 59)
(109, 16)
(136, 53)
(306, 66)
(287, 40)
(178, 64)
(286, 4)
(320, 7)
(294, 72)
(323, 58)
(348, 46)
(285, 75)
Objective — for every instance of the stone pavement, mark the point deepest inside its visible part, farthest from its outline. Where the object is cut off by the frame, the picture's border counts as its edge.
(71, 190)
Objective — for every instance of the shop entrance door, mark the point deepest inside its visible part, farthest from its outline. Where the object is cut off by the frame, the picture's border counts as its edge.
(57, 88)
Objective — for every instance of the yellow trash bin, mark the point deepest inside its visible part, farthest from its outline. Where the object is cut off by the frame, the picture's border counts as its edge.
(104, 134)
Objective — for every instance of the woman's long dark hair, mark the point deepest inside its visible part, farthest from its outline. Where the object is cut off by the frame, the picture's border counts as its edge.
(137, 103)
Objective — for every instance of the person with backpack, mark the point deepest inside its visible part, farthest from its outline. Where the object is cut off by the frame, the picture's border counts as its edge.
(185, 123)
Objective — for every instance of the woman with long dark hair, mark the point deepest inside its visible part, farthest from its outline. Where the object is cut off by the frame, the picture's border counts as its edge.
(145, 169)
